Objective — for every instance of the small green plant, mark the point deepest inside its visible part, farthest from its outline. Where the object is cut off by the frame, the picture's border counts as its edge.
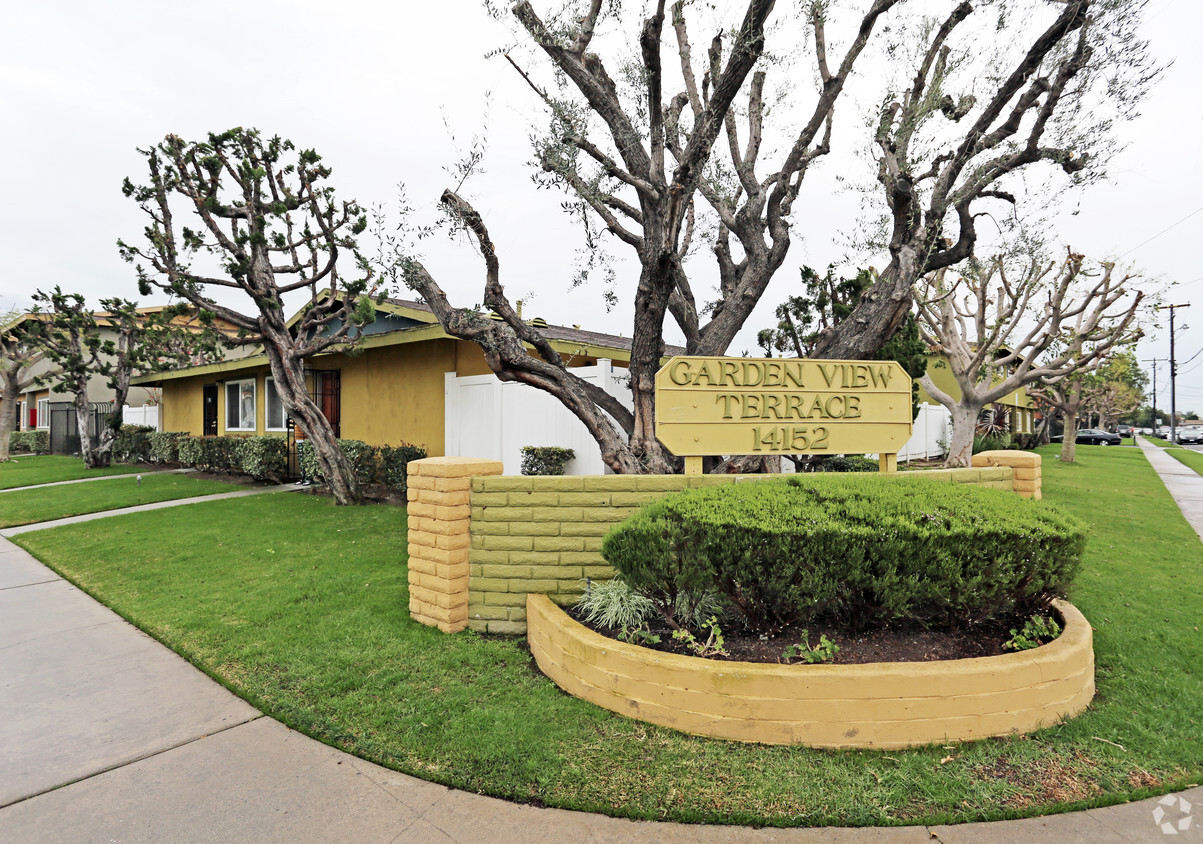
(545, 459)
(824, 651)
(1036, 631)
(714, 644)
(613, 603)
(640, 635)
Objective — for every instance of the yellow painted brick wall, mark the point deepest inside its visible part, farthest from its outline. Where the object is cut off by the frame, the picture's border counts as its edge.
(438, 493)
(544, 534)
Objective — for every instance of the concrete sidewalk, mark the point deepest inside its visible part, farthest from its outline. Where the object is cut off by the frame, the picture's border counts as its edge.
(1183, 483)
(106, 735)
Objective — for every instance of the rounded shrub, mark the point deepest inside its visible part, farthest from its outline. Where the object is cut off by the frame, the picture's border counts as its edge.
(857, 551)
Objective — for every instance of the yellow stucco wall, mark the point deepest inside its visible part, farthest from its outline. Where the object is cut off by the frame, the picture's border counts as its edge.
(394, 394)
(181, 409)
(389, 394)
(941, 374)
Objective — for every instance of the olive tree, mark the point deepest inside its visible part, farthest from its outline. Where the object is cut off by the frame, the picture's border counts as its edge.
(265, 223)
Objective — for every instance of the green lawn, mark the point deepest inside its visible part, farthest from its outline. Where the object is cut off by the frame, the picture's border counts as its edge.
(27, 506)
(30, 469)
(300, 607)
(1187, 457)
(1161, 443)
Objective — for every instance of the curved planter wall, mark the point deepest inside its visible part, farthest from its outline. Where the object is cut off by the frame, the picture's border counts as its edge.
(879, 705)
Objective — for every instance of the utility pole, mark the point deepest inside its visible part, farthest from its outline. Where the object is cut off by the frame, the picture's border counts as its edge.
(1173, 372)
(1156, 428)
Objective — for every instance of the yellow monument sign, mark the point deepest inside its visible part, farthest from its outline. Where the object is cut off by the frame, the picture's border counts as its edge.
(782, 406)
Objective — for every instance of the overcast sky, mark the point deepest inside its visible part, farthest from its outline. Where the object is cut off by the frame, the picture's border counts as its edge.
(379, 88)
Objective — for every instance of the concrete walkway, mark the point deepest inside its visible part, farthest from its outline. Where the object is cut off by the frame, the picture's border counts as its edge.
(100, 478)
(140, 508)
(106, 735)
(1183, 483)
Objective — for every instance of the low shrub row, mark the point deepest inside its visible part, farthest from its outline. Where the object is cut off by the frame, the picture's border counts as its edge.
(132, 444)
(29, 442)
(859, 551)
(263, 458)
(385, 465)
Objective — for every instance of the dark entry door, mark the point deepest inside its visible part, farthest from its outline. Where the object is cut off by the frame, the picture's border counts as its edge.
(327, 389)
(210, 402)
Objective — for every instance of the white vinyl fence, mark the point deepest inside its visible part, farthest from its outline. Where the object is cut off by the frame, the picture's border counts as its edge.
(486, 417)
(930, 435)
(145, 415)
(493, 419)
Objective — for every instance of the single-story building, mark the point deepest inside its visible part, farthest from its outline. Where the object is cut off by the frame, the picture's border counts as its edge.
(391, 388)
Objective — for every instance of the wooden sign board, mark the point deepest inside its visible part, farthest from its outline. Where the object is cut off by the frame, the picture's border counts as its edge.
(732, 406)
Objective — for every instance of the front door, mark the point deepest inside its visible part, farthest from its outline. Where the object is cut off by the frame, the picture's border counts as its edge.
(210, 402)
(327, 389)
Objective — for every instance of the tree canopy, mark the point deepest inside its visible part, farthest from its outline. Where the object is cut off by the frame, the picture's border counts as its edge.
(690, 161)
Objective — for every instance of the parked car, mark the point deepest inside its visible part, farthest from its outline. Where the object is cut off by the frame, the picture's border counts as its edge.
(1091, 436)
(1190, 435)
(1125, 430)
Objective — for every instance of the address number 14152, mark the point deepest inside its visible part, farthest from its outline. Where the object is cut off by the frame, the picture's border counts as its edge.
(789, 438)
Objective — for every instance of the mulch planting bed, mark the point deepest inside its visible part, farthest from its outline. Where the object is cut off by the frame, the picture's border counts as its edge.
(881, 645)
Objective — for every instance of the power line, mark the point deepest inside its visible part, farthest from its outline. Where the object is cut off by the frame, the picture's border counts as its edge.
(1163, 231)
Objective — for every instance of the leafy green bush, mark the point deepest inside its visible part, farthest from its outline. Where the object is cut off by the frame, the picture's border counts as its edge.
(163, 446)
(858, 551)
(392, 464)
(210, 454)
(188, 450)
(844, 463)
(263, 458)
(1036, 631)
(29, 442)
(545, 459)
(385, 465)
(992, 442)
(132, 444)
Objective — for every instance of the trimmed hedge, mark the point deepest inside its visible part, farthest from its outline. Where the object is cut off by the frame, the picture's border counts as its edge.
(29, 442)
(385, 465)
(858, 551)
(164, 446)
(210, 454)
(132, 444)
(263, 458)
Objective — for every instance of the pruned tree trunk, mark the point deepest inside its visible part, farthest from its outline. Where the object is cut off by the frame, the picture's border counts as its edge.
(964, 425)
(1069, 435)
(289, 374)
(8, 415)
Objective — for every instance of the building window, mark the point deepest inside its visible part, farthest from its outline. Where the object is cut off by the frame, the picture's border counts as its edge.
(273, 409)
(240, 405)
(42, 420)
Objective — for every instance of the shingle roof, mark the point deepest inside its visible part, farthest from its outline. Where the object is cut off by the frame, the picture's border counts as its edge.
(554, 332)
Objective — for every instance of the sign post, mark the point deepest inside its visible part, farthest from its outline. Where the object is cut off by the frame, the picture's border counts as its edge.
(782, 406)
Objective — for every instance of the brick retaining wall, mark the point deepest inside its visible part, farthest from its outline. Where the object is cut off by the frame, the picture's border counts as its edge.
(543, 534)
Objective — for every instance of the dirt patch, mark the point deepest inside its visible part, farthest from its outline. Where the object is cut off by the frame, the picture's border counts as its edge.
(372, 493)
(1045, 780)
(890, 644)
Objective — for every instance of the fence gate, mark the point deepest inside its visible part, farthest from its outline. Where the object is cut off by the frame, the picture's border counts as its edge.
(64, 432)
